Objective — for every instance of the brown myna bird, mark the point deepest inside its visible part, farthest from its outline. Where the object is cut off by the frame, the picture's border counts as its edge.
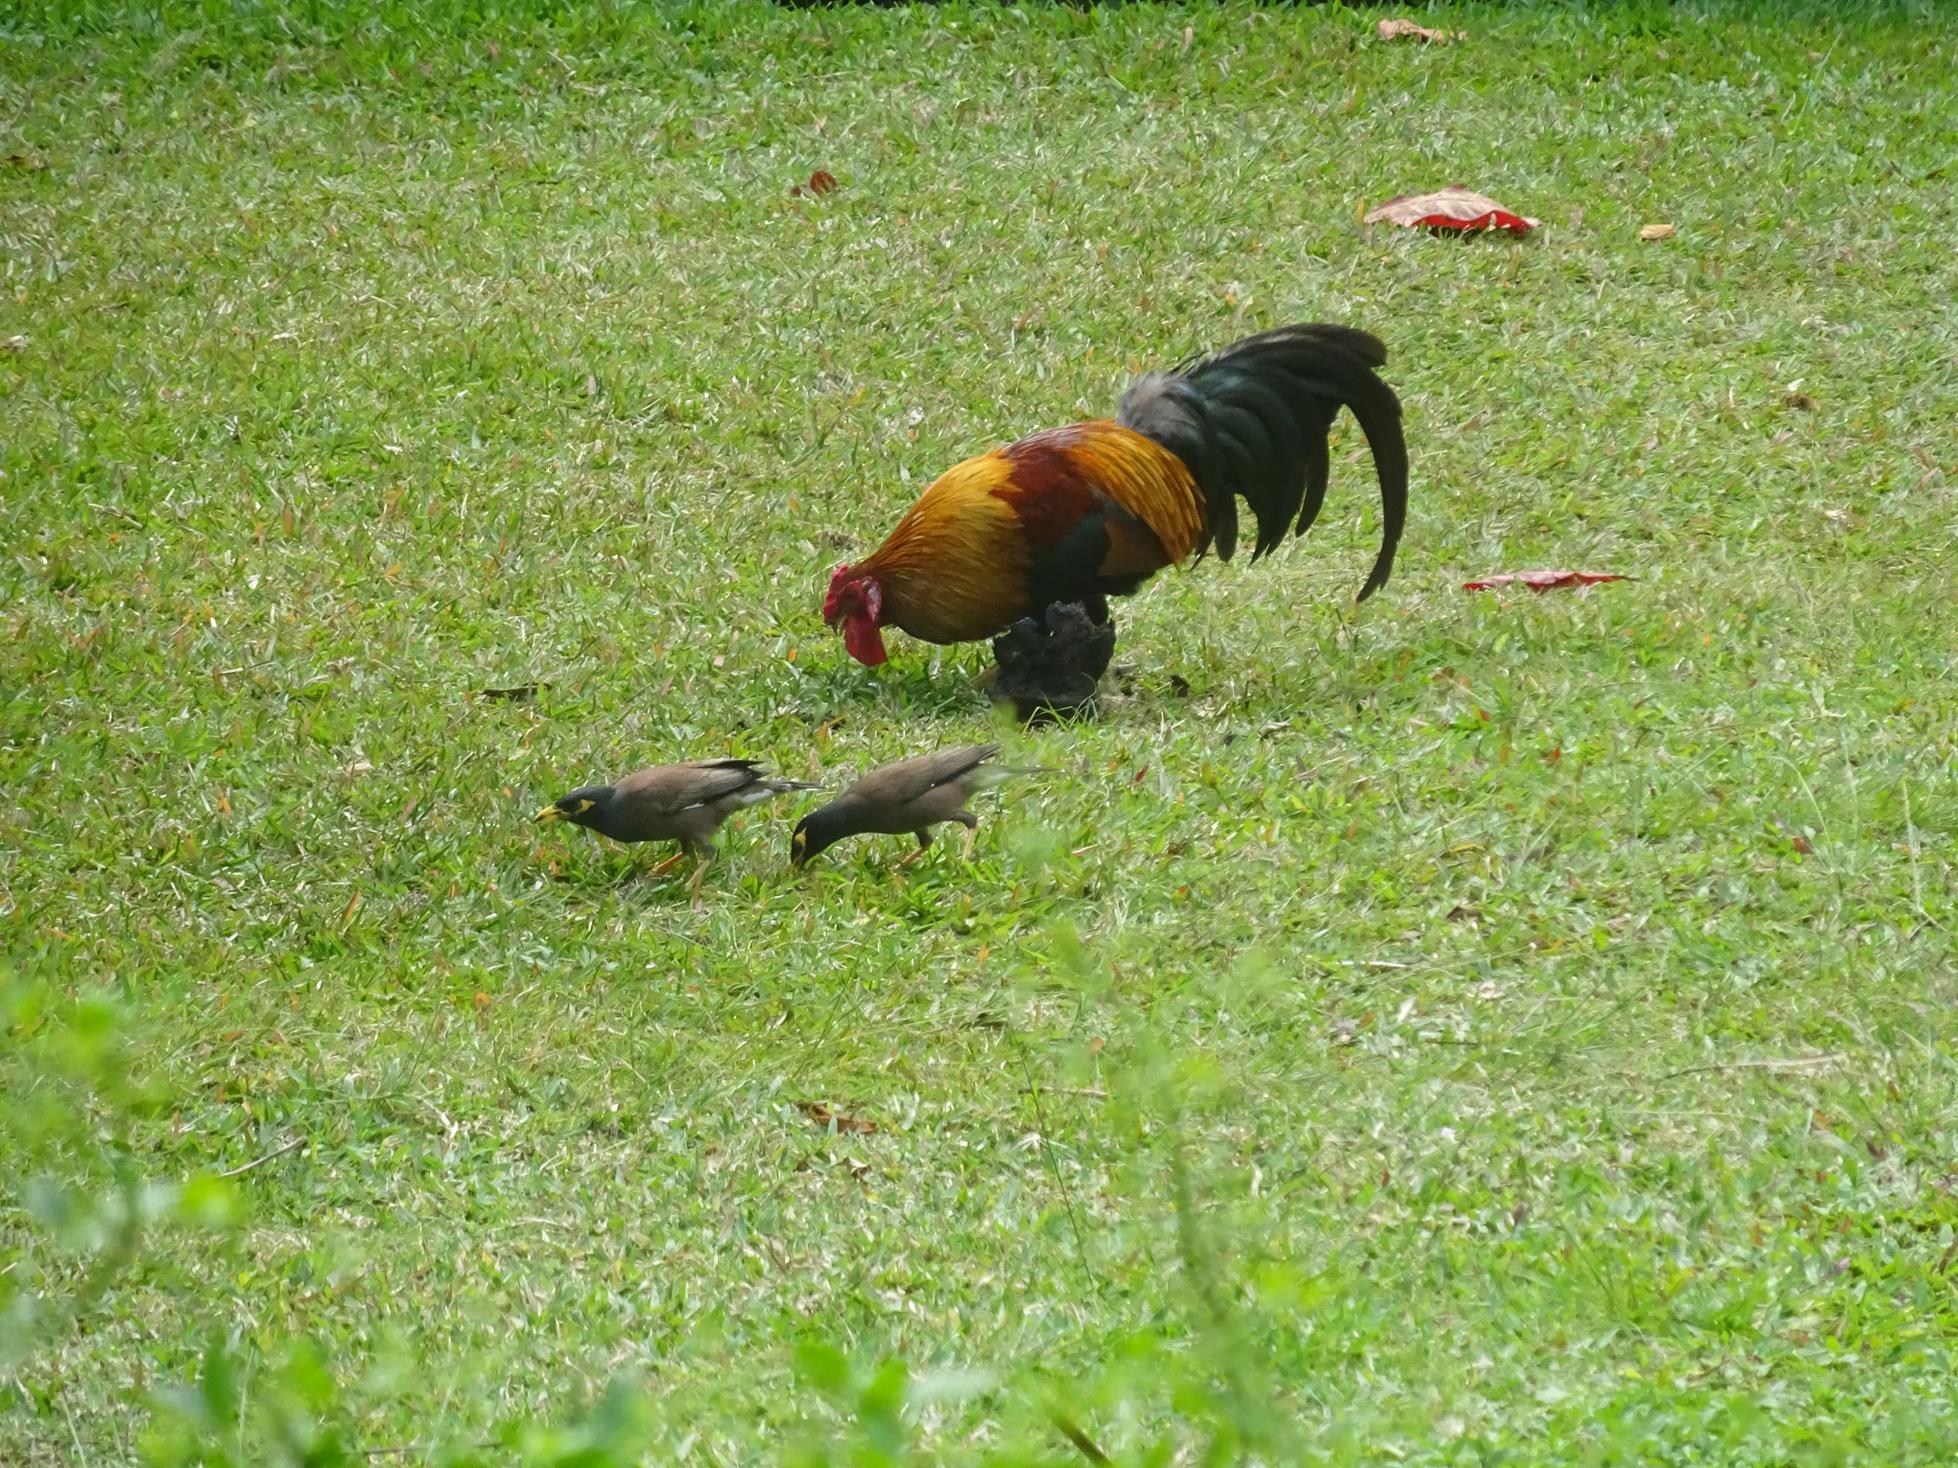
(910, 796)
(685, 803)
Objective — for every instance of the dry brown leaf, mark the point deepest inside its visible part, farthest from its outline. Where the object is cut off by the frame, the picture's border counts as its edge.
(1454, 208)
(1543, 580)
(1796, 839)
(825, 1116)
(1405, 30)
(1657, 232)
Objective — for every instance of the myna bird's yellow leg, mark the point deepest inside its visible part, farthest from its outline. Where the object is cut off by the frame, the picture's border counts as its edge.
(924, 845)
(699, 874)
(671, 862)
(971, 838)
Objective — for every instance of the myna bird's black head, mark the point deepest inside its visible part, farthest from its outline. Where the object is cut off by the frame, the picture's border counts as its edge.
(821, 829)
(588, 805)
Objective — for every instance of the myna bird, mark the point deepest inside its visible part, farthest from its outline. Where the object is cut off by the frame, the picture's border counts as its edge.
(685, 803)
(911, 796)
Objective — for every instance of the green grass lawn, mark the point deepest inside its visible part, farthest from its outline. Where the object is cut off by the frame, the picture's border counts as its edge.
(1472, 1029)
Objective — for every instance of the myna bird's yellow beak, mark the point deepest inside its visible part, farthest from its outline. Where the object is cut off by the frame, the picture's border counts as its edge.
(549, 813)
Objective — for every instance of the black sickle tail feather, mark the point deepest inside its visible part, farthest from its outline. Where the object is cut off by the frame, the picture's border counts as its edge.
(1252, 421)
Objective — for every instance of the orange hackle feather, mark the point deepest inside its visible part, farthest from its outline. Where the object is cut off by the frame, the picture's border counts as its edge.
(963, 562)
(1105, 459)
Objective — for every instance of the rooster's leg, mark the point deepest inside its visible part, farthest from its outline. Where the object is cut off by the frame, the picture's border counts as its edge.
(1051, 665)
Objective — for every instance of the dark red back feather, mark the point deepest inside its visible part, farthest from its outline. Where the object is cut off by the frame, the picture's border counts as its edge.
(1046, 486)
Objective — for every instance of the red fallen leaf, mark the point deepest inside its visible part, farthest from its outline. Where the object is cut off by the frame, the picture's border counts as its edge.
(1395, 30)
(1454, 208)
(822, 181)
(1543, 580)
(823, 1116)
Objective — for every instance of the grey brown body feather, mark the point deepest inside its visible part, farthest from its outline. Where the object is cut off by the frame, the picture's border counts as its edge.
(922, 791)
(690, 802)
(687, 802)
(905, 798)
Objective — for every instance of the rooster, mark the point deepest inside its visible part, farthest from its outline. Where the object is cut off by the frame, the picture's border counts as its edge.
(1093, 510)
